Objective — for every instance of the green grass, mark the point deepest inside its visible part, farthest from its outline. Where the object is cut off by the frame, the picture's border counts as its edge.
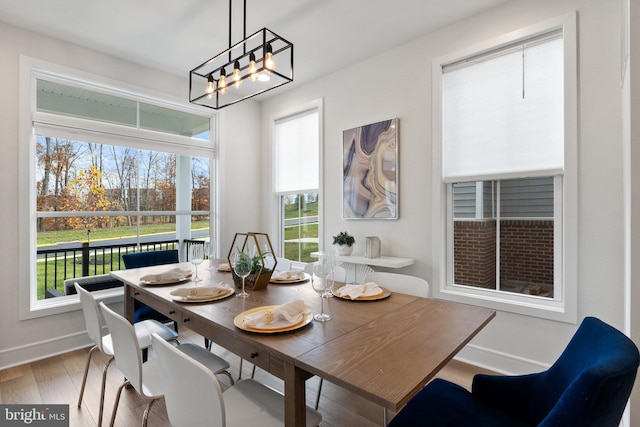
(52, 237)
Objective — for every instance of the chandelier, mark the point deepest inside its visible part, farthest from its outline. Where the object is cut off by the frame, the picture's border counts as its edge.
(261, 62)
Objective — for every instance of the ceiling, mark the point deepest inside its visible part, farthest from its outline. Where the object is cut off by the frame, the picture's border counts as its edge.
(177, 35)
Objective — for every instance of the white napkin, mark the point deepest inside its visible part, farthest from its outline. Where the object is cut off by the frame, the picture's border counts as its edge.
(368, 289)
(279, 317)
(174, 274)
(202, 292)
(287, 275)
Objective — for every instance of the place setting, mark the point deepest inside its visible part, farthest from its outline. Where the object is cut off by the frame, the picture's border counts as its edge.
(169, 276)
(289, 277)
(199, 294)
(272, 319)
(361, 292)
(223, 267)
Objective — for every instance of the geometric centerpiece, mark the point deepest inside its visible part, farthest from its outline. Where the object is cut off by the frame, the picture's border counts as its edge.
(261, 256)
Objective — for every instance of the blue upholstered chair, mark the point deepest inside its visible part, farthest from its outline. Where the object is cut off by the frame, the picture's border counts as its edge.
(588, 386)
(147, 259)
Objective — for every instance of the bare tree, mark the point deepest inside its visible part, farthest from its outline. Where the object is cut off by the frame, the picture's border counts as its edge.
(124, 184)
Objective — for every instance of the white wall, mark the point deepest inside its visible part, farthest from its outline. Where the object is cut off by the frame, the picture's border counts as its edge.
(365, 92)
(360, 94)
(631, 157)
(22, 341)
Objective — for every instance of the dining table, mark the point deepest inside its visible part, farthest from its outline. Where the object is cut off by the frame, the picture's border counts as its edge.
(384, 349)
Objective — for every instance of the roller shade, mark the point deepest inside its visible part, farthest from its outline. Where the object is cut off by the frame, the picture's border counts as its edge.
(503, 113)
(296, 145)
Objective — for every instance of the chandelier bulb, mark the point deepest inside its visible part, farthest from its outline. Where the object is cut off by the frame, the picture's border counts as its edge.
(269, 63)
(253, 69)
(237, 80)
(211, 87)
(222, 83)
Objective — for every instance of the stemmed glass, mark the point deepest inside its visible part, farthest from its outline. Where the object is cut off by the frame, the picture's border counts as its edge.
(241, 263)
(196, 256)
(329, 258)
(321, 282)
(210, 251)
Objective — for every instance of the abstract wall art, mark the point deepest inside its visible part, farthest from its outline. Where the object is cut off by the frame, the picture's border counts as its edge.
(370, 172)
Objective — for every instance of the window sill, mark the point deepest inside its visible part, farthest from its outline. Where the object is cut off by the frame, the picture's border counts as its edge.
(541, 307)
(69, 303)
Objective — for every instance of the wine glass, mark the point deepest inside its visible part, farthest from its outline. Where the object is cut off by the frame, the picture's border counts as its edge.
(196, 256)
(210, 251)
(329, 258)
(321, 282)
(241, 264)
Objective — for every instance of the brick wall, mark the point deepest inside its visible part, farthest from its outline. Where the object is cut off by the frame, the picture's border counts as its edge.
(475, 253)
(526, 252)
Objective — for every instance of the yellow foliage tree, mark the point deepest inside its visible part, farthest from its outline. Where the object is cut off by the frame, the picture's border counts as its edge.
(87, 194)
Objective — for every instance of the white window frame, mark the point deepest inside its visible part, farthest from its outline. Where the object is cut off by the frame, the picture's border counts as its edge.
(563, 307)
(277, 219)
(32, 69)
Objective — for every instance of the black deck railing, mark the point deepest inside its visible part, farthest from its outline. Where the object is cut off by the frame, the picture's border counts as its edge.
(54, 266)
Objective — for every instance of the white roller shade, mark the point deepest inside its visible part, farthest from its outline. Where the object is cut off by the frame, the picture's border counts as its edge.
(296, 144)
(503, 114)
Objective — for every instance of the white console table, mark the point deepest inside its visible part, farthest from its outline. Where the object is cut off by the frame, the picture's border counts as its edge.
(358, 266)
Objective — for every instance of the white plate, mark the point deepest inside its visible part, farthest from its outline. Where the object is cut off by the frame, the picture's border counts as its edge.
(382, 295)
(197, 299)
(224, 268)
(167, 281)
(290, 281)
(278, 326)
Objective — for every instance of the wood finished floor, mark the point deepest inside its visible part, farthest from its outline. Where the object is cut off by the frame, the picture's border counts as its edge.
(58, 379)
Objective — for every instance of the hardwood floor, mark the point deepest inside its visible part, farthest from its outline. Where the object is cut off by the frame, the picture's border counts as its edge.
(58, 380)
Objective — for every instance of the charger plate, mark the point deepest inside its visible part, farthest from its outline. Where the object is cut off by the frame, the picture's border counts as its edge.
(199, 299)
(290, 281)
(167, 281)
(225, 268)
(307, 317)
(386, 293)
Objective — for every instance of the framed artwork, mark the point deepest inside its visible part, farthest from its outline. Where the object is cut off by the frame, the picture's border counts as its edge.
(370, 171)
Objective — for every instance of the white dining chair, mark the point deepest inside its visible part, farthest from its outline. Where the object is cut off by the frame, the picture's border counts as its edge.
(283, 264)
(339, 272)
(145, 377)
(94, 322)
(194, 397)
(402, 283)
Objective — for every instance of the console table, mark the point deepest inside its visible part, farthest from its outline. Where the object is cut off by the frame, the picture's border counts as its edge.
(358, 266)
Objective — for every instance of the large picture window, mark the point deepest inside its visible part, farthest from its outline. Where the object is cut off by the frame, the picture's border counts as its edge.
(112, 171)
(507, 149)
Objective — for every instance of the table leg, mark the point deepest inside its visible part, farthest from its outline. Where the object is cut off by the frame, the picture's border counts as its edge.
(294, 396)
(129, 303)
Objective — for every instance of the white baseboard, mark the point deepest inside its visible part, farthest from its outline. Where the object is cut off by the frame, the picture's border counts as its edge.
(503, 363)
(43, 349)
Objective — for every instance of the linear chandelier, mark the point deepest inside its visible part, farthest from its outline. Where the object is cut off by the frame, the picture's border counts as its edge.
(261, 62)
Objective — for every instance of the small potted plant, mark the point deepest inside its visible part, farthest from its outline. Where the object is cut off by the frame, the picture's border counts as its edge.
(343, 243)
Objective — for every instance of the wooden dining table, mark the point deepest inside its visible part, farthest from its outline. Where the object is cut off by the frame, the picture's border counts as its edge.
(385, 350)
